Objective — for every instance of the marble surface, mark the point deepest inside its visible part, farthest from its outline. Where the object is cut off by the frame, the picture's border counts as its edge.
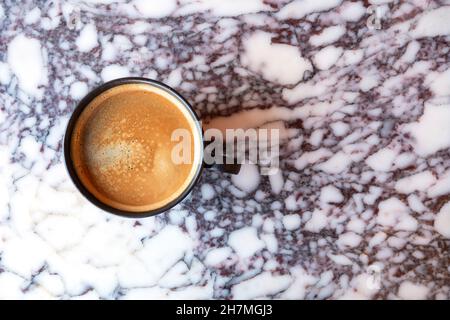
(359, 90)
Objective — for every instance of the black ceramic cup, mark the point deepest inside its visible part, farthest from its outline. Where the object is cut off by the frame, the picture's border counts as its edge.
(230, 168)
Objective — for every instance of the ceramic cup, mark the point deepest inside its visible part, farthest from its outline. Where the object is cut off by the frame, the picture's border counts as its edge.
(229, 168)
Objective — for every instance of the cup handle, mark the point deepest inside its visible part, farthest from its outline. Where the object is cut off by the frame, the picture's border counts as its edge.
(232, 168)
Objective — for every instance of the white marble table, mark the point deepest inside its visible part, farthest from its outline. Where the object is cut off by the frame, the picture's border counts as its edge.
(361, 208)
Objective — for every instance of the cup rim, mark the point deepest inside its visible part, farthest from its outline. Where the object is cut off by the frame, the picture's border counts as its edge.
(83, 103)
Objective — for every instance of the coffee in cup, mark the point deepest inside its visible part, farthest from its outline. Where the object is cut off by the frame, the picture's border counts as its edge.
(120, 147)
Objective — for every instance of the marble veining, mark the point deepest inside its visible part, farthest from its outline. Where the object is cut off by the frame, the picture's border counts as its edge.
(360, 208)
